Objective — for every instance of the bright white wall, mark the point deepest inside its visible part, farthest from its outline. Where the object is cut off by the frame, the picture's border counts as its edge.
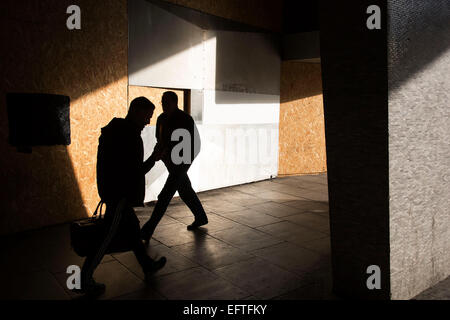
(230, 155)
(164, 50)
(238, 75)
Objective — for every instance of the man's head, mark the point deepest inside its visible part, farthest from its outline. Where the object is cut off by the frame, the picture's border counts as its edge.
(169, 102)
(140, 112)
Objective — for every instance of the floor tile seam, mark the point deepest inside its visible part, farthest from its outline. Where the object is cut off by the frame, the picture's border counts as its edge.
(291, 273)
(60, 285)
(245, 225)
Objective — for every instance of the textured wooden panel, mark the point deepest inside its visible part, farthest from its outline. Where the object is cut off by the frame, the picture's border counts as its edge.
(57, 184)
(302, 133)
(265, 14)
(154, 95)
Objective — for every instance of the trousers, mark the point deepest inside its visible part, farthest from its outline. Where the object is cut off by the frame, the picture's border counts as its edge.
(178, 180)
(121, 226)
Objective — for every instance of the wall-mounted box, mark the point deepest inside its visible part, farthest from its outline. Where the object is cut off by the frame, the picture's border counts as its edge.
(37, 119)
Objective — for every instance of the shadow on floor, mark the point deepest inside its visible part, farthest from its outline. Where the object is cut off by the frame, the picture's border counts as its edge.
(279, 227)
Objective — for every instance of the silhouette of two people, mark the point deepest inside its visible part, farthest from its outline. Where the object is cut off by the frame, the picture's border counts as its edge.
(121, 173)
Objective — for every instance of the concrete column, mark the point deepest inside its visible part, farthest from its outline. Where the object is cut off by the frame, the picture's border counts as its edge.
(387, 115)
(419, 144)
(355, 92)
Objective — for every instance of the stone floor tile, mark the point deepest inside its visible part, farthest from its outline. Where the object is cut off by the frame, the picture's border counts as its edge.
(311, 220)
(196, 284)
(314, 291)
(306, 205)
(251, 188)
(314, 195)
(246, 238)
(321, 246)
(175, 261)
(146, 293)
(277, 196)
(176, 233)
(242, 198)
(275, 209)
(293, 258)
(268, 282)
(211, 253)
(250, 217)
(291, 232)
(166, 219)
(178, 211)
(118, 279)
(220, 206)
(37, 285)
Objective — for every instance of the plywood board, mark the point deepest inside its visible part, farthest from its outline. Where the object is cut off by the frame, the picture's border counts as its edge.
(302, 128)
(39, 54)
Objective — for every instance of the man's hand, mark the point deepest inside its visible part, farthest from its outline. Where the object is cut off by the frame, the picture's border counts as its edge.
(158, 152)
(157, 155)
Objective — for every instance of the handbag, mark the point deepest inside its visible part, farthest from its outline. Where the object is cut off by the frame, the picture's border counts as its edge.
(87, 235)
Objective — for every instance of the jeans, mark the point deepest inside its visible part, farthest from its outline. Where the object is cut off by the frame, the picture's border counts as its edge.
(178, 180)
(121, 226)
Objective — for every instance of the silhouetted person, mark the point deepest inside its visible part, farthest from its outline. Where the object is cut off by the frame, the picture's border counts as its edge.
(169, 121)
(121, 186)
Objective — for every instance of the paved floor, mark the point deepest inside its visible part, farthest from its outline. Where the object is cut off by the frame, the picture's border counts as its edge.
(265, 240)
(440, 291)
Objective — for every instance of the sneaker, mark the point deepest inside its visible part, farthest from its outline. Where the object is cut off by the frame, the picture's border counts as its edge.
(92, 288)
(155, 266)
(197, 223)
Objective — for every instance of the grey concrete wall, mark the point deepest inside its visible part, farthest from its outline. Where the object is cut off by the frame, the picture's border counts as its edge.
(419, 144)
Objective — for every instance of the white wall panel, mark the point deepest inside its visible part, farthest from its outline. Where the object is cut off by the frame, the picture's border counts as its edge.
(241, 108)
(164, 50)
(230, 155)
(236, 76)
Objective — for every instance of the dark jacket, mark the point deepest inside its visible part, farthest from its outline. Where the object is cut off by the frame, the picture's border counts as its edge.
(165, 126)
(120, 166)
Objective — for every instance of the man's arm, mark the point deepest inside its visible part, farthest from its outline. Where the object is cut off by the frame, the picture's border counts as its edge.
(157, 154)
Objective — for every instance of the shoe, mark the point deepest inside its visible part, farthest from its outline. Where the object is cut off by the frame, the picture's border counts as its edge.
(197, 223)
(155, 266)
(92, 288)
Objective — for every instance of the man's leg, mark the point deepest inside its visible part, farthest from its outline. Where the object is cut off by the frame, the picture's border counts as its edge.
(164, 198)
(131, 230)
(188, 195)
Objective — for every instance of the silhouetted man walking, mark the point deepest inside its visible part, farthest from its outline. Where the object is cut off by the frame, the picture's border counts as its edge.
(121, 186)
(169, 127)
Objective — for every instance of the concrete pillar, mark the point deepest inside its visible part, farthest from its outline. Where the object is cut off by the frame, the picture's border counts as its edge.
(419, 144)
(356, 127)
(386, 106)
